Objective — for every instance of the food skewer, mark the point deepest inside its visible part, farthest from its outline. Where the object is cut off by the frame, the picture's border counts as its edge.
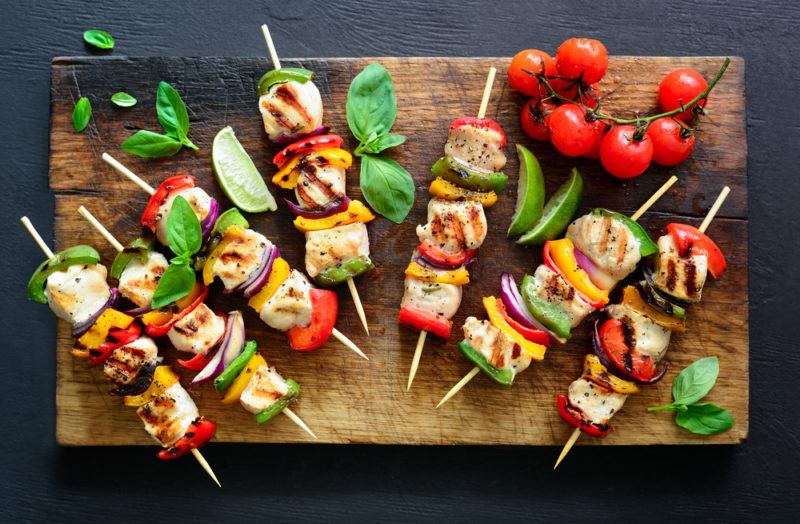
(703, 227)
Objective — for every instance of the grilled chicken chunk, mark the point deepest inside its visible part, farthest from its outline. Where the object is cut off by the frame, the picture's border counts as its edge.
(329, 247)
(240, 257)
(442, 299)
(290, 306)
(454, 226)
(198, 331)
(199, 200)
(497, 347)
(606, 242)
(681, 277)
(319, 183)
(264, 388)
(597, 403)
(555, 289)
(167, 417)
(477, 147)
(125, 363)
(649, 338)
(139, 280)
(78, 292)
(290, 109)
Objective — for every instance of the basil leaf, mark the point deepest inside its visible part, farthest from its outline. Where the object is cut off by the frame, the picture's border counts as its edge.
(381, 143)
(184, 234)
(387, 187)
(147, 144)
(139, 249)
(172, 114)
(81, 114)
(371, 102)
(694, 382)
(704, 419)
(123, 99)
(99, 39)
(176, 282)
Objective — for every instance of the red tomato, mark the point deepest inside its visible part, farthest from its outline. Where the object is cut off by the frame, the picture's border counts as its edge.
(617, 347)
(599, 129)
(533, 119)
(530, 60)
(582, 56)
(570, 133)
(669, 147)
(569, 90)
(622, 156)
(681, 87)
(691, 241)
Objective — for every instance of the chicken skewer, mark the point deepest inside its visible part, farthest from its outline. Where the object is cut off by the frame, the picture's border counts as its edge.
(558, 289)
(157, 411)
(699, 264)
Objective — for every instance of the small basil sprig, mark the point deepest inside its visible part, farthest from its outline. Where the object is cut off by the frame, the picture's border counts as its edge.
(184, 237)
(690, 386)
(371, 112)
(123, 99)
(81, 114)
(98, 38)
(174, 119)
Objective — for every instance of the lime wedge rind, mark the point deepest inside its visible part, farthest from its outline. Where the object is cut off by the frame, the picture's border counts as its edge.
(530, 193)
(557, 213)
(237, 174)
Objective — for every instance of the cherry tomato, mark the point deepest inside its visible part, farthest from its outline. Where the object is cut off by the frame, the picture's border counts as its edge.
(669, 147)
(570, 133)
(584, 56)
(681, 87)
(534, 118)
(530, 60)
(622, 156)
(599, 130)
(569, 89)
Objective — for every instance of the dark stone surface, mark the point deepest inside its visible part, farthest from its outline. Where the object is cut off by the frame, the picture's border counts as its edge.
(755, 481)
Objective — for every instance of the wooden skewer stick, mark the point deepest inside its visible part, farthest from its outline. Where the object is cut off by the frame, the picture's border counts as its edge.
(461, 383)
(273, 54)
(347, 342)
(415, 361)
(706, 221)
(297, 420)
(205, 465)
(487, 92)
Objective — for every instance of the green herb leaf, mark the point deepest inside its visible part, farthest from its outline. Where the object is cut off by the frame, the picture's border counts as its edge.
(694, 382)
(704, 419)
(123, 99)
(184, 234)
(147, 144)
(371, 103)
(387, 187)
(172, 114)
(380, 143)
(99, 39)
(176, 282)
(81, 114)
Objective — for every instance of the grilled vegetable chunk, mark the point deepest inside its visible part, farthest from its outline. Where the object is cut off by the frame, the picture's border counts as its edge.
(139, 280)
(198, 331)
(78, 292)
(329, 247)
(607, 242)
(291, 108)
(167, 417)
(454, 226)
(680, 277)
(642, 335)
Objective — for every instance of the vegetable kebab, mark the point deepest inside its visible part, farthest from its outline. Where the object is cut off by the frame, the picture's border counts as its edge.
(468, 179)
(73, 283)
(246, 262)
(313, 164)
(634, 338)
(235, 364)
(600, 249)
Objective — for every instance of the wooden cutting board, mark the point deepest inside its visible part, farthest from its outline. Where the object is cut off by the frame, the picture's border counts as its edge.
(346, 399)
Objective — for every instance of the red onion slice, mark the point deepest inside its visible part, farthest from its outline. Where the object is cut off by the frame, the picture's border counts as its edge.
(82, 327)
(288, 139)
(336, 206)
(234, 331)
(255, 284)
(233, 344)
(598, 277)
(211, 218)
(516, 308)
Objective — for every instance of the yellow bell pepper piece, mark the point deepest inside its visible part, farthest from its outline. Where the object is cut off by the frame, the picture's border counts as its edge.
(531, 349)
(159, 317)
(595, 371)
(110, 318)
(562, 252)
(240, 382)
(458, 277)
(356, 212)
(231, 234)
(288, 175)
(441, 188)
(284, 178)
(163, 377)
(279, 273)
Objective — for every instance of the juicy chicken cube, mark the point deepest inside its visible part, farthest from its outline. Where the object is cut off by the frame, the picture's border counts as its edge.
(454, 226)
(239, 258)
(329, 247)
(478, 147)
(125, 363)
(264, 388)
(139, 280)
(442, 299)
(319, 183)
(167, 417)
(291, 108)
(290, 306)
(681, 277)
(650, 338)
(78, 292)
(499, 349)
(198, 200)
(607, 242)
(198, 331)
(597, 403)
(555, 289)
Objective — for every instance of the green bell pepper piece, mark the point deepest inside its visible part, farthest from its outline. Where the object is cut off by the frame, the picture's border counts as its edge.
(550, 315)
(352, 267)
(279, 405)
(226, 378)
(74, 256)
(139, 248)
(231, 217)
(461, 175)
(281, 76)
(504, 377)
(646, 245)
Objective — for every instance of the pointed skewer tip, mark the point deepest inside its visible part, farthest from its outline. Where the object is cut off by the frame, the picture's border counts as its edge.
(357, 301)
(415, 361)
(204, 464)
(568, 446)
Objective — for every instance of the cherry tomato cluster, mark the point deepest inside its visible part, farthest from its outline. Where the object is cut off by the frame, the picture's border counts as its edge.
(564, 109)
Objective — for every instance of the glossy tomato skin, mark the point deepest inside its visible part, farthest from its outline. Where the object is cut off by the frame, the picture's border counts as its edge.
(599, 131)
(680, 86)
(624, 157)
(585, 56)
(570, 133)
(669, 147)
(534, 118)
(530, 60)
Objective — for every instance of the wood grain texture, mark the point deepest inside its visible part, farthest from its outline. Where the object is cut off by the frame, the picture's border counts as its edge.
(347, 400)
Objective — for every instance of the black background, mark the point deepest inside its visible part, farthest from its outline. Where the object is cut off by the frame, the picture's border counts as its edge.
(754, 481)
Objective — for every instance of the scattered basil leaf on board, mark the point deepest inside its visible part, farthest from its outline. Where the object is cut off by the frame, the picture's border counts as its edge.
(81, 114)
(387, 187)
(99, 39)
(704, 419)
(184, 234)
(147, 144)
(172, 114)
(123, 99)
(176, 282)
(371, 102)
(694, 382)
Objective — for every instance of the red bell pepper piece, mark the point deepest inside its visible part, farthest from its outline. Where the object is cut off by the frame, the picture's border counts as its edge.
(438, 255)
(625, 358)
(121, 337)
(548, 261)
(197, 435)
(163, 329)
(487, 123)
(305, 146)
(575, 418)
(534, 335)
(691, 241)
(424, 320)
(150, 215)
(324, 309)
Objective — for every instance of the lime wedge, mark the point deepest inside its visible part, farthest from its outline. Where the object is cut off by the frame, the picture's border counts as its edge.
(238, 176)
(557, 213)
(530, 193)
